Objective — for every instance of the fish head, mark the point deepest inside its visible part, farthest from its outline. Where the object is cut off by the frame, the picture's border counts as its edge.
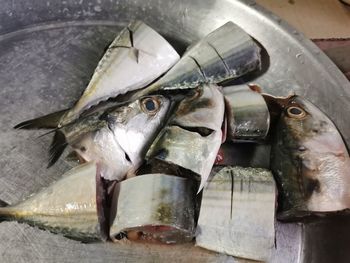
(128, 130)
(310, 158)
(310, 128)
(138, 125)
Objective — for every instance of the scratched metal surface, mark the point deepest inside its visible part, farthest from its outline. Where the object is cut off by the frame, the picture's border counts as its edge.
(48, 51)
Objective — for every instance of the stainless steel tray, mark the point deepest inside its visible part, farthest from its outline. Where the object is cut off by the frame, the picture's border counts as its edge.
(48, 51)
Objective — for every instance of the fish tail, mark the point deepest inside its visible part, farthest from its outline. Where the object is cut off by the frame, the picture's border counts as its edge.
(49, 121)
(3, 203)
(59, 143)
(5, 211)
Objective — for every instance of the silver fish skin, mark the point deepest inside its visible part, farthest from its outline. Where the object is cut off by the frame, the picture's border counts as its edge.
(226, 53)
(247, 113)
(118, 138)
(67, 206)
(310, 161)
(134, 59)
(154, 208)
(193, 137)
(237, 215)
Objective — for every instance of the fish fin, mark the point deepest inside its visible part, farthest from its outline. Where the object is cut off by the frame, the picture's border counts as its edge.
(134, 54)
(57, 147)
(49, 121)
(202, 184)
(3, 203)
(46, 133)
(277, 101)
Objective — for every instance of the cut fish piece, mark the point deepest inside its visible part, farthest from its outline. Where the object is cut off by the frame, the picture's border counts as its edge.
(193, 136)
(68, 206)
(237, 213)
(135, 58)
(248, 114)
(154, 208)
(226, 53)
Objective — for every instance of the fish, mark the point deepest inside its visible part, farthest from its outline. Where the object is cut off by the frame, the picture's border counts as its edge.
(136, 57)
(156, 208)
(117, 138)
(67, 206)
(247, 112)
(226, 53)
(309, 160)
(193, 135)
(237, 215)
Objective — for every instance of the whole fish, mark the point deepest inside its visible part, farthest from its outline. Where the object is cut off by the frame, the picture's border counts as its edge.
(68, 206)
(136, 57)
(116, 138)
(193, 136)
(226, 53)
(309, 160)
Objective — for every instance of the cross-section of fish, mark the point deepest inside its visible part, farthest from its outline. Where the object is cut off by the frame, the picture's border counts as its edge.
(154, 208)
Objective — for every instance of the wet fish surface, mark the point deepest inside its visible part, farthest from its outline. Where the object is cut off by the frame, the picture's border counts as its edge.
(136, 57)
(68, 206)
(247, 113)
(193, 136)
(237, 213)
(116, 138)
(156, 208)
(226, 53)
(309, 160)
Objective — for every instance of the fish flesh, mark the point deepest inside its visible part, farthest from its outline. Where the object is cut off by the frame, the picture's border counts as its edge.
(154, 208)
(68, 206)
(136, 57)
(309, 160)
(226, 53)
(237, 214)
(247, 113)
(193, 135)
(117, 138)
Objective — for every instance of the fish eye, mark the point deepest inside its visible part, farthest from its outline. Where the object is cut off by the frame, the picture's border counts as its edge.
(150, 105)
(296, 112)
